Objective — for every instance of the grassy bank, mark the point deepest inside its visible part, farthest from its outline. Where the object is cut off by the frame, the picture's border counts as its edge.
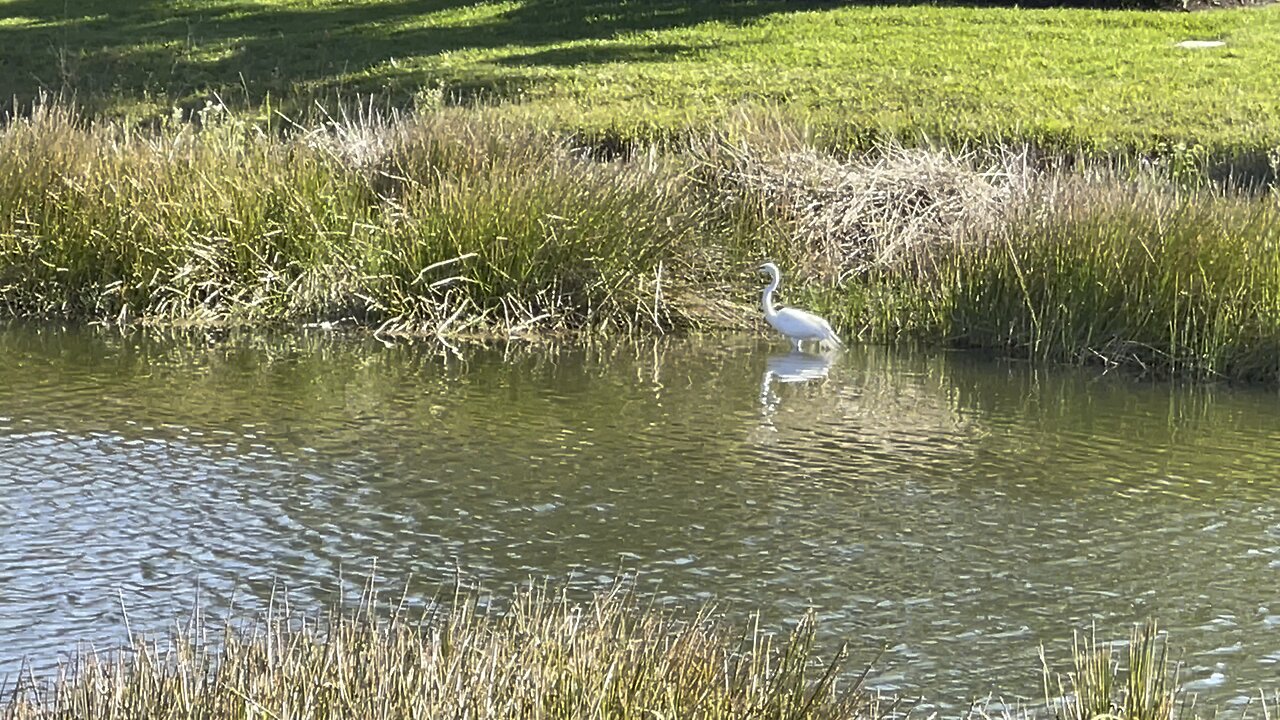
(458, 222)
(445, 223)
(543, 657)
(1062, 78)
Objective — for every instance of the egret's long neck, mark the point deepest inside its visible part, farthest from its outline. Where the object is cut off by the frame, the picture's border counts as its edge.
(766, 301)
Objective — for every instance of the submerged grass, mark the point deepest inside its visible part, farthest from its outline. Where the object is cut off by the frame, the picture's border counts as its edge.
(461, 222)
(544, 657)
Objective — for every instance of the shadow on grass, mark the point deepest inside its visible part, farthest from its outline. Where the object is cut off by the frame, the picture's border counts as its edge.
(113, 54)
(617, 51)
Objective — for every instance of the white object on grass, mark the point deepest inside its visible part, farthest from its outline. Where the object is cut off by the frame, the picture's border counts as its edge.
(1200, 44)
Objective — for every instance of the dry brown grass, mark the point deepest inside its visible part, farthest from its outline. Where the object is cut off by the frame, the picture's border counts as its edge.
(891, 209)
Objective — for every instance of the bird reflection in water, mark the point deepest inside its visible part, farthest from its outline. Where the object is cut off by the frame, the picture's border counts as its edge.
(791, 368)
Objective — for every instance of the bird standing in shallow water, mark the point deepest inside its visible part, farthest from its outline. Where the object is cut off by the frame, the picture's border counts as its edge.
(798, 325)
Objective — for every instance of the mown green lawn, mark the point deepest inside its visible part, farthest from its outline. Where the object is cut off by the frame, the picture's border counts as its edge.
(1061, 77)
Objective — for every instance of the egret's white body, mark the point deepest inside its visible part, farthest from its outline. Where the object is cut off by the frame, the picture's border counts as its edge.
(798, 325)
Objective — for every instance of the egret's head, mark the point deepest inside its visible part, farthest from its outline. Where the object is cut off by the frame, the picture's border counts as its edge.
(768, 269)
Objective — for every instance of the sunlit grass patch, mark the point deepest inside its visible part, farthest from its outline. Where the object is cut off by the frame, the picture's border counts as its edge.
(1066, 79)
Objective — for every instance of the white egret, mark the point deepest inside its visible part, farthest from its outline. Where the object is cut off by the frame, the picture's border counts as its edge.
(798, 325)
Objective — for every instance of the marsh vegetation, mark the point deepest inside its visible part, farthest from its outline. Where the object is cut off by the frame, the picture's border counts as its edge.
(543, 657)
(457, 222)
(1065, 184)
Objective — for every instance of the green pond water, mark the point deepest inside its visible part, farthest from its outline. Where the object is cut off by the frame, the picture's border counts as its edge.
(955, 511)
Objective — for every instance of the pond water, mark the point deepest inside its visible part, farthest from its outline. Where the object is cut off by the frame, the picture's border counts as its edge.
(956, 510)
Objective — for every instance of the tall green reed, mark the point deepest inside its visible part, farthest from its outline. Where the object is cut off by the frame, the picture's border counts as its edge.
(1100, 688)
(1137, 273)
(416, 225)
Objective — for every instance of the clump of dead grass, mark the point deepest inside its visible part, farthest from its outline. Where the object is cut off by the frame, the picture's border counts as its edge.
(893, 209)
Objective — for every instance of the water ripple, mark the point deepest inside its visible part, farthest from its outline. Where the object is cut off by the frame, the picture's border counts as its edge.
(955, 511)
